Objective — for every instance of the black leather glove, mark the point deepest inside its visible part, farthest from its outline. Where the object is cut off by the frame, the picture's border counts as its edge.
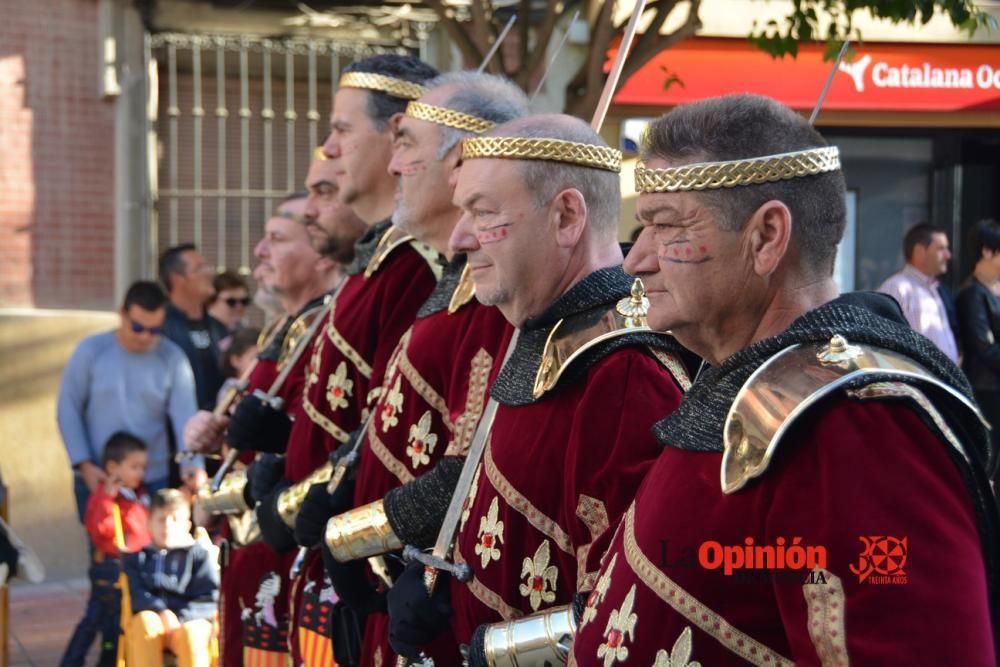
(416, 617)
(350, 581)
(476, 650)
(263, 476)
(318, 507)
(256, 425)
(273, 529)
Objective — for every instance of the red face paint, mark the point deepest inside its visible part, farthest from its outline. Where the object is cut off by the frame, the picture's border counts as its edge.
(493, 234)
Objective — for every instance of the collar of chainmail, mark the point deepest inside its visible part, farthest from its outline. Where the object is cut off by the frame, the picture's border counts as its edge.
(860, 317)
(364, 247)
(589, 299)
(440, 298)
(273, 351)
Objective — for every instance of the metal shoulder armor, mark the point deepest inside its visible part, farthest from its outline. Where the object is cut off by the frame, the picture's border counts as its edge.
(800, 376)
(296, 330)
(569, 340)
(394, 238)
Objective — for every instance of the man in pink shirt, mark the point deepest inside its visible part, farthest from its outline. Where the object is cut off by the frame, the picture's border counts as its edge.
(916, 286)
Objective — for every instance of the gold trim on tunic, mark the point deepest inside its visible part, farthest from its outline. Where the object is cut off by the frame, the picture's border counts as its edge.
(385, 457)
(513, 498)
(465, 425)
(690, 608)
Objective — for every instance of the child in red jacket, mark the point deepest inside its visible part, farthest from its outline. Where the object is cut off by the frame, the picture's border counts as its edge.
(125, 465)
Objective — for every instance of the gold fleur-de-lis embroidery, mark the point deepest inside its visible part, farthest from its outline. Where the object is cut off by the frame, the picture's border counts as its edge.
(621, 628)
(490, 535)
(679, 654)
(597, 595)
(391, 406)
(467, 505)
(422, 441)
(339, 388)
(539, 577)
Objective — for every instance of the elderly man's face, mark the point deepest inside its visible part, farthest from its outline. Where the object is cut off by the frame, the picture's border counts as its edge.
(287, 257)
(509, 239)
(423, 197)
(694, 271)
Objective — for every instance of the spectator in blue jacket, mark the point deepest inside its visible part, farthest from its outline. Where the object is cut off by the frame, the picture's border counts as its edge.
(174, 589)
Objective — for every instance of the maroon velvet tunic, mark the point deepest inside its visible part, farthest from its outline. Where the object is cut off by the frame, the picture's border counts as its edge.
(903, 581)
(433, 398)
(371, 313)
(556, 474)
(345, 373)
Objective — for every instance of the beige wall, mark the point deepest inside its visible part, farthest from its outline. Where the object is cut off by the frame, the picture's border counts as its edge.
(34, 347)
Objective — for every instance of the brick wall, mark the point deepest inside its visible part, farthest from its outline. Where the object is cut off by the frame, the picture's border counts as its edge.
(57, 165)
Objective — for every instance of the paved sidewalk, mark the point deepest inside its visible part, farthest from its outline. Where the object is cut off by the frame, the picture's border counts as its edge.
(42, 617)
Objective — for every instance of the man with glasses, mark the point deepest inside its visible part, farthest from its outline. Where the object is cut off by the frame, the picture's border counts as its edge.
(187, 278)
(129, 379)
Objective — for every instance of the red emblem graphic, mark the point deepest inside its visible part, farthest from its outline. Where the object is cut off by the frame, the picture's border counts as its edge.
(883, 556)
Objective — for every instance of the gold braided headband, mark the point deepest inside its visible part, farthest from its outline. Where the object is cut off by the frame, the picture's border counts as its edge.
(555, 150)
(714, 175)
(383, 84)
(449, 117)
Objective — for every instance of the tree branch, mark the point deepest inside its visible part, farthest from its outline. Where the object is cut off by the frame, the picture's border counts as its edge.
(543, 34)
(524, 32)
(470, 52)
(652, 32)
(638, 57)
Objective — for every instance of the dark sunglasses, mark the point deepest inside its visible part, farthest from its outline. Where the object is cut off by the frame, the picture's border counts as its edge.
(232, 301)
(138, 328)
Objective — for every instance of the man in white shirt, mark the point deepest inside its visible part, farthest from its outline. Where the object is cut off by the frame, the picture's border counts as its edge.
(916, 286)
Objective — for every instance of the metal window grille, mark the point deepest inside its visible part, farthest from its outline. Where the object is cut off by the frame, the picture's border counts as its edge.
(232, 122)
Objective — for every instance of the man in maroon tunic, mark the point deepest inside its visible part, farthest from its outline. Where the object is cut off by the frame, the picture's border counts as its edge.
(300, 275)
(391, 276)
(436, 386)
(821, 498)
(578, 395)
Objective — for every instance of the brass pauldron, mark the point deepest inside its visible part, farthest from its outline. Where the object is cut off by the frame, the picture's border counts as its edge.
(290, 500)
(567, 342)
(229, 498)
(540, 639)
(361, 532)
(795, 379)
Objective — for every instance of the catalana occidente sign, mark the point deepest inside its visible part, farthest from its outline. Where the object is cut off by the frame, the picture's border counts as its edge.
(903, 77)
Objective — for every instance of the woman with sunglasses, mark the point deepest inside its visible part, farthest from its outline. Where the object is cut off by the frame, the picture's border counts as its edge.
(232, 296)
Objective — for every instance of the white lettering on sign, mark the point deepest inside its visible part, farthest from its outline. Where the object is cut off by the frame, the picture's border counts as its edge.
(887, 76)
(884, 75)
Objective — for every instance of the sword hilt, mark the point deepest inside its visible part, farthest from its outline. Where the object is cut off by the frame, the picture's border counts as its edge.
(228, 463)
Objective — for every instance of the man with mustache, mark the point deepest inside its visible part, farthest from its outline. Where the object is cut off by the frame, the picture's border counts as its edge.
(822, 495)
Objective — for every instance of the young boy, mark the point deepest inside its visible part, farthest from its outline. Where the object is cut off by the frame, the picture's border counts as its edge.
(174, 587)
(124, 462)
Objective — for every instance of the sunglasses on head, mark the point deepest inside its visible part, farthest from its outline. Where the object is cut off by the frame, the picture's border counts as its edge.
(138, 328)
(232, 301)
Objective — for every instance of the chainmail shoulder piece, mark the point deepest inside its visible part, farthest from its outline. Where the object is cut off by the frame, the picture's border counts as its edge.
(364, 247)
(583, 304)
(441, 296)
(860, 317)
